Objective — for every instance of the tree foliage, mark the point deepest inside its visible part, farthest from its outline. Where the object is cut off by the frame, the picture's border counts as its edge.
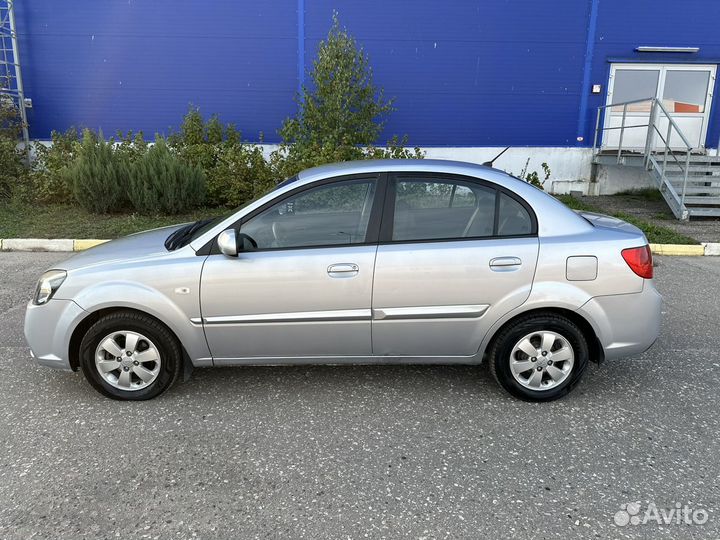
(236, 171)
(340, 114)
(12, 168)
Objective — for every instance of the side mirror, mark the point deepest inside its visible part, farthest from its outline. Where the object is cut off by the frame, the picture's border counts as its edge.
(227, 242)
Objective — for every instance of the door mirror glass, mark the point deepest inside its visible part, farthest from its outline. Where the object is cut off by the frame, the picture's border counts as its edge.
(228, 243)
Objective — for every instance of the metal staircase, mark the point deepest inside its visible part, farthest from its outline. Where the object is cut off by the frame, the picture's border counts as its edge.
(11, 83)
(688, 180)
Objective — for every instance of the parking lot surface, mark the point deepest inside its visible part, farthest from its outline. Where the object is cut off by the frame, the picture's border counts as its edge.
(376, 452)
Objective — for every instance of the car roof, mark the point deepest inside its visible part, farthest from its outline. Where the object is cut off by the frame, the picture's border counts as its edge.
(394, 165)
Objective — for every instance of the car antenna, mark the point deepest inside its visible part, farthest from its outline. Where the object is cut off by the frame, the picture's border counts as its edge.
(490, 163)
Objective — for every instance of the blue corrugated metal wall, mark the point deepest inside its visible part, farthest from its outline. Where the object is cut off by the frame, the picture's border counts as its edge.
(465, 73)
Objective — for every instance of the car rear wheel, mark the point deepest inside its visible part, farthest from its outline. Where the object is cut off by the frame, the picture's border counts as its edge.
(539, 357)
(130, 356)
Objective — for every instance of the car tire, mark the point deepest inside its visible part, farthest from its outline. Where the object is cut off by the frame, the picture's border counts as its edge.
(143, 377)
(544, 379)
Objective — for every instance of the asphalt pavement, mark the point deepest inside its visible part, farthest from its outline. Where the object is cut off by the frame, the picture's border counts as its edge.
(369, 452)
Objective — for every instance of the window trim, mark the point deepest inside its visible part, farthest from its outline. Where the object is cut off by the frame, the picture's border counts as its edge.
(373, 229)
(388, 218)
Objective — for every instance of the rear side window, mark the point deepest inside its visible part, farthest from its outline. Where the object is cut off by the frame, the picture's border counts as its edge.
(428, 208)
(513, 219)
(436, 209)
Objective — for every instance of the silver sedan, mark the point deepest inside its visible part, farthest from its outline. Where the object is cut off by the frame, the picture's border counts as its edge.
(391, 261)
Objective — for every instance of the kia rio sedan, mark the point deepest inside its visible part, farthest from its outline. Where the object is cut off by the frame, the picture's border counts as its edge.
(372, 262)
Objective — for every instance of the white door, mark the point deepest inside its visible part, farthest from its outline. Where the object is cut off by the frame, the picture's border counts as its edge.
(684, 90)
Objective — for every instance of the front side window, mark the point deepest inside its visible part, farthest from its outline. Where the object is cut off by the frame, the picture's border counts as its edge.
(331, 214)
(427, 209)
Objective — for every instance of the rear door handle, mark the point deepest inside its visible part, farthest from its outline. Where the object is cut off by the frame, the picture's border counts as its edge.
(505, 264)
(342, 270)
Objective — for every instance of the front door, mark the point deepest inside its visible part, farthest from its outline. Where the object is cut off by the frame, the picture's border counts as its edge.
(684, 90)
(303, 287)
(455, 254)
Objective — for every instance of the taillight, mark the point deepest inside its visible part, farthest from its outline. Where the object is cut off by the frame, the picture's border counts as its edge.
(639, 259)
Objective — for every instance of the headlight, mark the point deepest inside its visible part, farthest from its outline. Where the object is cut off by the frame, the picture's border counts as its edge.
(49, 282)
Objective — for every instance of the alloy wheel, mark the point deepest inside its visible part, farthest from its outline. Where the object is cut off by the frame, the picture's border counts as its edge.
(127, 360)
(542, 360)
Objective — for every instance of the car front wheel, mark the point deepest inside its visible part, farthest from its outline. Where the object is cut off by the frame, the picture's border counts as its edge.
(130, 356)
(539, 357)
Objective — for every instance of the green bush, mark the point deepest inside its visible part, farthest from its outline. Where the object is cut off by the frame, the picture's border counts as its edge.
(533, 177)
(240, 174)
(51, 182)
(340, 115)
(161, 183)
(13, 173)
(98, 178)
(236, 171)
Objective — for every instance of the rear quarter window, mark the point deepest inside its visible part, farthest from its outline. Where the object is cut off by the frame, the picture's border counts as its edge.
(513, 217)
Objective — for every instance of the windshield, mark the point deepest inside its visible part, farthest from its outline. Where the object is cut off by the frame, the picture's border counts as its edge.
(186, 234)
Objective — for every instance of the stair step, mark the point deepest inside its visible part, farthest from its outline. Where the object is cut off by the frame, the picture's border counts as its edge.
(674, 167)
(697, 190)
(707, 200)
(704, 212)
(694, 158)
(694, 180)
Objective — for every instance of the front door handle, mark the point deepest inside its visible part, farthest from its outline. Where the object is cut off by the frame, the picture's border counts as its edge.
(342, 270)
(505, 264)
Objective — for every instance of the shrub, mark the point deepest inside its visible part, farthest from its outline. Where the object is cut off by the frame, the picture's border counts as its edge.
(236, 171)
(161, 183)
(240, 174)
(533, 177)
(51, 182)
(130, 147)
(98, 178)
(340, 115)
(396, 148)
(13, 172)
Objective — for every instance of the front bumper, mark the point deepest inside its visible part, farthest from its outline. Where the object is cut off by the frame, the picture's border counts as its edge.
(48, 329)
(626, 324)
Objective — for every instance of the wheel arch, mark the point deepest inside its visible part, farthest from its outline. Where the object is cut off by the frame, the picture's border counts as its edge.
(84, 325)
(597, 353)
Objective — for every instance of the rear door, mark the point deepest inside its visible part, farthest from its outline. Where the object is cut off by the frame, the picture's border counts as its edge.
(455, 254)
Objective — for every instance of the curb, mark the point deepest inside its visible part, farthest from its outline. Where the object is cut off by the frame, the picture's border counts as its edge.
(677, 250)
(705, 249)
(44, 244)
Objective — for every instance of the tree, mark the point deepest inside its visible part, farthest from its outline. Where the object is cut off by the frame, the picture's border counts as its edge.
(339, 113)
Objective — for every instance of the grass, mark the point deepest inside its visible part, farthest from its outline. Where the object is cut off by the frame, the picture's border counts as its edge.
(66, 221)
(646, 194)
(656, 234)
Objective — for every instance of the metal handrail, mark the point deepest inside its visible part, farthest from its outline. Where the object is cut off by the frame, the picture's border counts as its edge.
(650, 152)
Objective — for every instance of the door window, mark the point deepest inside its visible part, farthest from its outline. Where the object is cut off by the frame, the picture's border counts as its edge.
(634, 84)
(427, 209)
(442, 209)
(686, 91)
(328, 215)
